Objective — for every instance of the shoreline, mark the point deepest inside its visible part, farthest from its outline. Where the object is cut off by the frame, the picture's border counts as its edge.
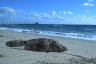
(56, 36)
(76, 48)
(48, 35)
(53, 33)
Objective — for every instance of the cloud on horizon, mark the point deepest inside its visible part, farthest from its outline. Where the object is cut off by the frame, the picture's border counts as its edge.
(58, 17)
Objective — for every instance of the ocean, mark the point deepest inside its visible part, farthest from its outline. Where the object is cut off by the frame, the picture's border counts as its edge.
(86, 32)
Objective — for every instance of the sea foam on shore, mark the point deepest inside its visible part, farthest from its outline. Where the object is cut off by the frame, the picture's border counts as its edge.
(84, 36)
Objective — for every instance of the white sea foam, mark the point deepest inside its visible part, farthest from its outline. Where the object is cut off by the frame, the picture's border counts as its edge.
(52, 33)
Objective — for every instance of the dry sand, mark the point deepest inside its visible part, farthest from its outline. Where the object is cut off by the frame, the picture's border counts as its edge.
(79, 51)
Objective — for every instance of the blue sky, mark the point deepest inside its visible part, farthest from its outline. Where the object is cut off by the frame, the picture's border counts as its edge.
(49, 11)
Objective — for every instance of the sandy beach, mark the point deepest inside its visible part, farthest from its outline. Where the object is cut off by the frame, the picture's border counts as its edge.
(78, 50)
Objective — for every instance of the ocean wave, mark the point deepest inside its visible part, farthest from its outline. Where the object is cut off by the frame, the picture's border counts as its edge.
(52, 33)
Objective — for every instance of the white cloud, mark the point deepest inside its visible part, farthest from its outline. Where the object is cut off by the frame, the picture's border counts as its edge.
(53, 15)
(90, 0)
(7, 10)
(88, 4)
(65, 12)
(82, 19)
(62, 13)
(69, 12)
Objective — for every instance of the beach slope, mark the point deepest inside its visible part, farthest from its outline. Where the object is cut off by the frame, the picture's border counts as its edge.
(78, 50)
